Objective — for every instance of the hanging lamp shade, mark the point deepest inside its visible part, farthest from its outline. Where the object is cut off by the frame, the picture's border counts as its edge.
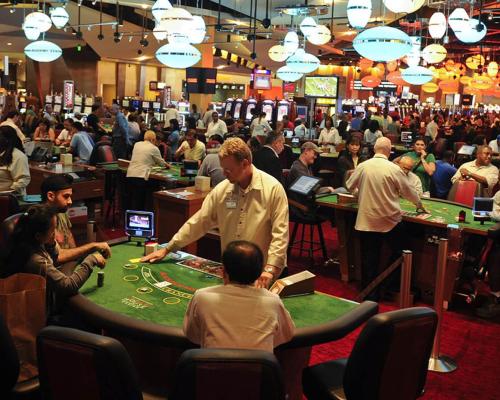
(287, 75)
(382, 43)
(475, 32)
(31, 30)
(43, 51)
(396, 78)
(319, 36)
(40, 20)
(492, 69)
(365, 63)
(403, 6)
(413, 57)
(449, 65)
(159, 32)
(434, 53)
(473, 62)
(437, 25)
(177, 20)
(291, 41)
(430, 87)
(59, 17)
(308, 25)
(459, 68)
(303, 62)
(279, 53)
(392, 65)
(198, 30)
(465, 80)
(159, 8)
(417, 75)
(458, 20)
(472, 90)
(359, 13)
(370, 81)
(442, 73)
(178, 55)
(449, 86)
(481, 82)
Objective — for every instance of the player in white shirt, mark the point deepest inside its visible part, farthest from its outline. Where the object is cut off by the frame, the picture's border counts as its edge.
(329, 136)
(216, 126)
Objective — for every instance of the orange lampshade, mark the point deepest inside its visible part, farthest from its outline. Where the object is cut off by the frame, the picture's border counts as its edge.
(449, 86)
(481, 82)
(465, 80)
(460, 68)
(392, 66)
(449, 65)
(370, 81)
(396, 78)
(365, 63)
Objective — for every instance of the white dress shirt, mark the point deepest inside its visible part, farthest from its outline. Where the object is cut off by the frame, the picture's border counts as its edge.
(145, 155)
(260, 127)
(15, 176)
(329, 136)
(171, 113)
(216, 128)
(381, 183)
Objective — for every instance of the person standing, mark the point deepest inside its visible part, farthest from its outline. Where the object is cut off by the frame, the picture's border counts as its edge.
(260, 127)
(249, 205)
(14, 167)
(171, 113)
(216, 127)
(329, 136)
(12, 119)
(380, 184)
(432, 129)
(121, 140)
(267, 157)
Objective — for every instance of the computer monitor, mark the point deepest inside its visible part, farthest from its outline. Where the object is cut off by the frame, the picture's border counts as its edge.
(466, 150)
(295, 142)
(305, 185)
(139, 223)
(288, 133)
(482, 206)
(406, 136)
(190, 167)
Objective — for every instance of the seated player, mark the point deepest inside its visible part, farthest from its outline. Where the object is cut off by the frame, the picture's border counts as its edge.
(32, 249)
(481, 170)
(211, 164)
(441, 179)
(267, 157)
(191, 148)
(237, 314)
(406, 164)
(56, 191)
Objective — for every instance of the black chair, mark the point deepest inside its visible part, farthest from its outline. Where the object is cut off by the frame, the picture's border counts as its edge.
(7, 228)
(78, 365)
(227, 374)
(389, 360)
(9, 370)
(8, 206)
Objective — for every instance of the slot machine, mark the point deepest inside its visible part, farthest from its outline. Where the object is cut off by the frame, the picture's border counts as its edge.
(183, 108)
(228, 106)
(249, 106)
(237, 109)
(283, 108)
(268, 107)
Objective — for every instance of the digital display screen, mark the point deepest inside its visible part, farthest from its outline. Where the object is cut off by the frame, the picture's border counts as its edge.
(302, 112)
(125, 103)
(483, 204)
(262, 82)
(406, 137)
(250, 107)
(321, 86)
(139, 223)
(237, 110)
(156, 105)
(305, 185)
(146, 105)
(282, 110)
(268, 109)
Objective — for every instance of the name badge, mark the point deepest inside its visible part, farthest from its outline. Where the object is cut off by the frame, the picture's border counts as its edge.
(231, 203)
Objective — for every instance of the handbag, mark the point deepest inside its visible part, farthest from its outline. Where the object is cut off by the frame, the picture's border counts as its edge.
(22, 304)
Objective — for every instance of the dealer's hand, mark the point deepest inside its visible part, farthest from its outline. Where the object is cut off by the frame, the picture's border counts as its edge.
(264, 280)
(155, 256)
(103, 248)
(100, 260)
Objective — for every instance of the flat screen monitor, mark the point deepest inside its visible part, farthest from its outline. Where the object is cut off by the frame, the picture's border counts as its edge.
(482, 206)
(201, 80)
(406, 136)
(87, 110)
(268, 109)
(237, 110)
(125, 103)
(321, 86)
(139, 223)
(146, 105)
(262, 82)
(305, 185)
(190, 167)
(57, 108)
(302, 112)
(288, 133)
(360, 109)
(156, 105)
(295, 141)
(466, 150)
(136, 104)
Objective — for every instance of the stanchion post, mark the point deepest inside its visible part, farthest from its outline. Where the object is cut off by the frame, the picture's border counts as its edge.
(437, 362)
(404, 289)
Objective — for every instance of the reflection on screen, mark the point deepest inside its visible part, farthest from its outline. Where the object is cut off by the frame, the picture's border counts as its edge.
(268, 109)
(237, 110)
(282, 110)
(139, 221)
(304, 185)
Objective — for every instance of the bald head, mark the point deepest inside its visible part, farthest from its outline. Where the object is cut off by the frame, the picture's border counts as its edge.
(150, 136)
(406, 163)
(383, 146)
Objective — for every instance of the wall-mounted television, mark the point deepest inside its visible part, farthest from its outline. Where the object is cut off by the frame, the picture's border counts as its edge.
(322, 86)
(262, 82)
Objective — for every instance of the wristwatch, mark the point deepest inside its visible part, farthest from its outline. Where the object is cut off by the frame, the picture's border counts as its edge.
(270, 270)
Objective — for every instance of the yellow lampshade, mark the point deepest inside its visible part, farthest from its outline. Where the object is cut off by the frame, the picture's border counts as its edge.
(449, 65)
(473, 62)
(481, 82)
(465, 80)
(430, 87)
(493, 69)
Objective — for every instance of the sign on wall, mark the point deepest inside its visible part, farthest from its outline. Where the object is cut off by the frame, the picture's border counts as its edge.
(68, 95)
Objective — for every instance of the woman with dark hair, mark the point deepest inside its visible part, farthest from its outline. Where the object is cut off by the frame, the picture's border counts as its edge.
(14, 167)
(174, 137)
(373, 132)
(349, 160)
(329, 136)
(44, 132)
(32, 249)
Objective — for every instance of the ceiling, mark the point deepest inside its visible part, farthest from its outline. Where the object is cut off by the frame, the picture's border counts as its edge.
(235, 27)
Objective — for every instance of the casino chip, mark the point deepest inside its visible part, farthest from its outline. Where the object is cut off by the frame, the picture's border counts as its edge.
(144, 289)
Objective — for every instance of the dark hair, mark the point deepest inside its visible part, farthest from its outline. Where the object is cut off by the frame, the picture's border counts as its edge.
(194, 107)
(132, 118)
(354, 140)
(218, 138)
(243, 262)
(328, 118)
(8, 142)
(96, 107)
(448, 155)
(78, 126)
(12, 114)
(254, 144)
(23, 242)
(175, 124)
(191, 132)
(44, 121)
(373, 126)
(479, 140)
(70, 120)
(273, 137)
(54, 183)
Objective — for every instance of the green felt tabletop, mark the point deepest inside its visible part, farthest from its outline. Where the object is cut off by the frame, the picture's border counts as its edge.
(296, 150)
(138, 290)
(441, 212)
(173, 173)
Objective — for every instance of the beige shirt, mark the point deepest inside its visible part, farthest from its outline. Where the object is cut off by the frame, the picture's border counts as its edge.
(258, 214)
(329, 136)
(490, 172)
(237, 316)
(416, 183)
(15, 176)
(195, 153)
(216, 128)
(381, 183)
(12, 124)
(145, 155)
(432, 130)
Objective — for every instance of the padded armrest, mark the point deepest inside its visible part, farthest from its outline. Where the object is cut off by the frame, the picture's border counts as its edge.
(333, 330)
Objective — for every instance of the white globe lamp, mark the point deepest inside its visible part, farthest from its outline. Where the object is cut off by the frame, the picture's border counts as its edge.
(303, 62)
(403, 6)
(359, 13)
(458, 20)
(417, 75)
(279, 53)
(199, 30)
(308, 25)
(319, 36)
(159, 32)
(59, 17)
(43, 51)
(437, 25)
(31, 31)
(159, 8)
(474, 33)
(382, 43)
(434, 53)
(288, 75)
(40, 20)
(291, 41)
(178, 55)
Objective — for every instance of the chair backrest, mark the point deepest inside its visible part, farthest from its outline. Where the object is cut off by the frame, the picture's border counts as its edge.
(78, 365)
(391, 355)
(463, 192)
(224, 374)
(8, 205)
(8, 226)
(457, 146)
(105, 153)
(9, 361)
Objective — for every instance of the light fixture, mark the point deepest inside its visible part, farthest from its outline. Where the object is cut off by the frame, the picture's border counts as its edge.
(303, 62)
(473, 62)
(437, 25)
(198, 30)
(492, 69)
(413, 57)
(396, 78)
(307, 25)
(159, 32)
(481, 82)
(279, 53)
(59, 17)
(370, 81)
(359, 13)
(43, 51)
(31, 30)
(178, 55)
(417, 75)
(177, 20)
(288, 75)
(40, 20)
(430, 87)
(319, 36)
(12, 10)
(475, 32)
(365, 63)
(159, 8)
(403, 6)
(465, 80)
(458, 20)
(449, 65)
(291, 42)
(382, 43)
(392, 65)
(448, 86)
(434, 53)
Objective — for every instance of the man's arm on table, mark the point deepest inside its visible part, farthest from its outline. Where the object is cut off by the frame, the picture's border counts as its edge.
(73, 254)
(193, 229)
